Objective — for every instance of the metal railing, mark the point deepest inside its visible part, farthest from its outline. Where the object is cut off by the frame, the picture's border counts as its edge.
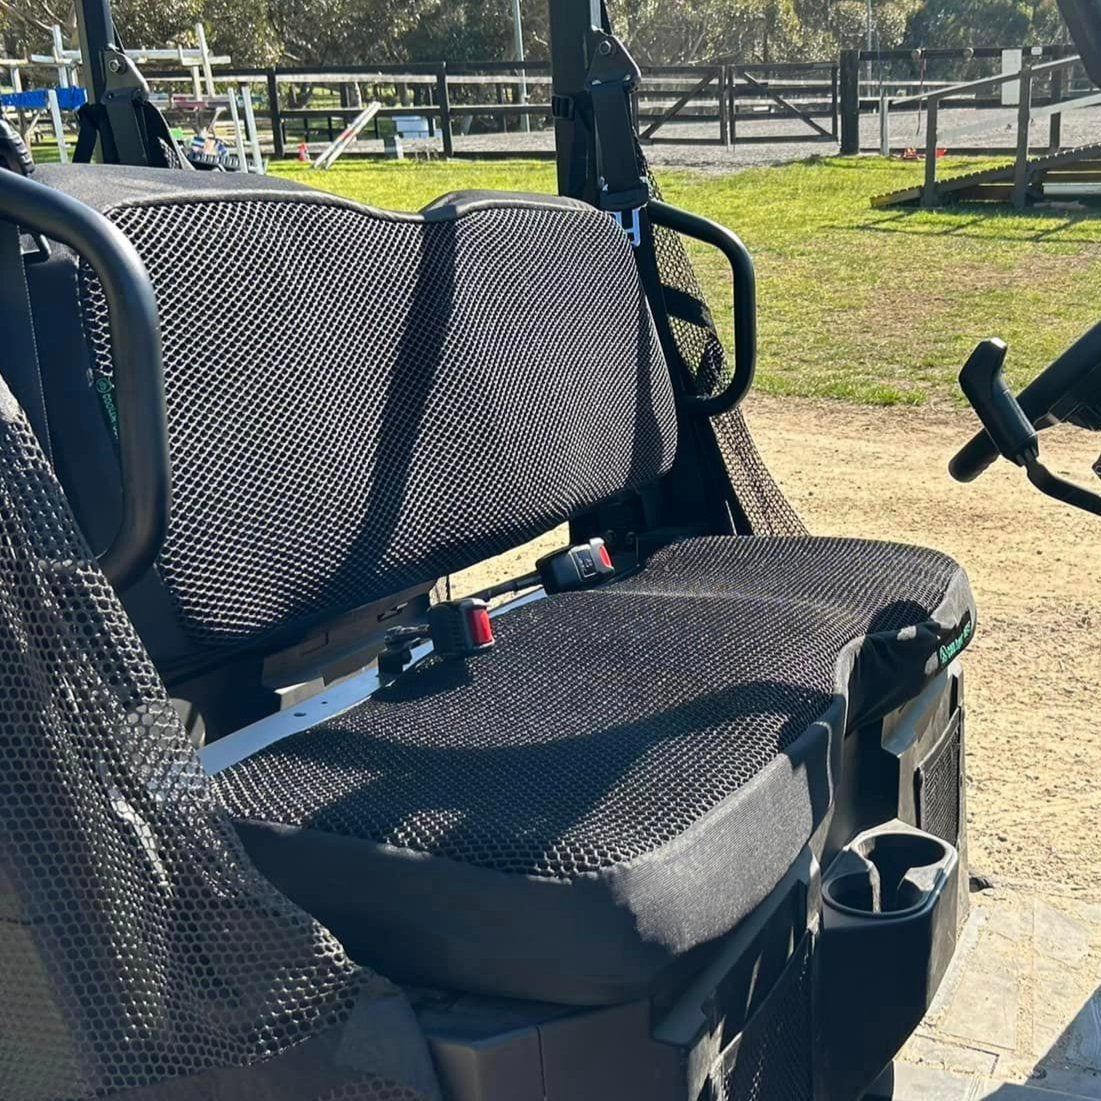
(932, 101)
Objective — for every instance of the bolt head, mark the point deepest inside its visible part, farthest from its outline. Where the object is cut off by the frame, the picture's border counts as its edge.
(114, 65)
(604, 48)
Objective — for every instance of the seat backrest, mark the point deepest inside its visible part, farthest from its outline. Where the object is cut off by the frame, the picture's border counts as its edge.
(138, 944)
(361, 401)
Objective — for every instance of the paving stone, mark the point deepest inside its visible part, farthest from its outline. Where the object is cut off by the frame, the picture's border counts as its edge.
(1058, 936)
(1057, 992)
(965, 947)
(984, 1009)
(993, 1090)
(928, 1084)
(1084, 1035)
(1010, 918)
(932, 1052)
(1080, 1083)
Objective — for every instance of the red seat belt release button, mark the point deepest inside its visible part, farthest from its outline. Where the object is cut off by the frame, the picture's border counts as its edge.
(460, 628)
(577, 567)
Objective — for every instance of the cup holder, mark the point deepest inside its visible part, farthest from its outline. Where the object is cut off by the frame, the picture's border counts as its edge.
(888, 873)
(889, 929)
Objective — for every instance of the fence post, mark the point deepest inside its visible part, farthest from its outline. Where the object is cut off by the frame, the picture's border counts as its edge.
(444, 101)
(932, 114)
(1058, 94)
(834, 102)
(884, 123)
(732, 110)
(1024, 119)
(724, 117)
(276, 115)
(850, 103)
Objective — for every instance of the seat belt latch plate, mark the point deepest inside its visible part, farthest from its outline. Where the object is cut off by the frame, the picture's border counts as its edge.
(630, 223)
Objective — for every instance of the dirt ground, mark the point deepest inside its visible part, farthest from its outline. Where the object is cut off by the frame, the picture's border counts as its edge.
(1034, 670)
(999, 131)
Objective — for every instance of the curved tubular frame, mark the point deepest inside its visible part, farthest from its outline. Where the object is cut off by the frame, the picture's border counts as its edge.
(745, 303)
(136, 344)
(1059, 488)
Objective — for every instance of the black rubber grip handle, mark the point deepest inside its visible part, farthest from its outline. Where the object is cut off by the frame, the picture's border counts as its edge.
(1036, 402)
(745, 303)
(136, 349)
(1008, 431)
(14, 154)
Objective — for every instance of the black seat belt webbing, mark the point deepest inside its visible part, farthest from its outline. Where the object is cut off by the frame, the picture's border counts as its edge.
(17, 337)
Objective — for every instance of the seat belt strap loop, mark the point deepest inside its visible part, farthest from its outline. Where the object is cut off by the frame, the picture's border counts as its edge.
(611, 81)
(17, 335)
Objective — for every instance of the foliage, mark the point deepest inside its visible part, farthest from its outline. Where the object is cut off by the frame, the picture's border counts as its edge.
(658, 31)
(956, 23)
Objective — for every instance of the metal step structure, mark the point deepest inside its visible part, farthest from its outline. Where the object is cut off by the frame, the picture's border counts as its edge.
(1070, 173)
(1024, 181)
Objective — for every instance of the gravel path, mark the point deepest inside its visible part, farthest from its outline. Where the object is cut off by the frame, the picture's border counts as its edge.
(997, 129)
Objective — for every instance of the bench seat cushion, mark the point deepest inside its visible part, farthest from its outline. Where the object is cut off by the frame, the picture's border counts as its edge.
(622, 779)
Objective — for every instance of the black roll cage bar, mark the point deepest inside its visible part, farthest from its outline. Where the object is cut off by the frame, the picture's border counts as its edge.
(136, 348)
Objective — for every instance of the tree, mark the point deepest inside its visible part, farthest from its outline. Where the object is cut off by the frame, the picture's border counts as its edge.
(961, 23)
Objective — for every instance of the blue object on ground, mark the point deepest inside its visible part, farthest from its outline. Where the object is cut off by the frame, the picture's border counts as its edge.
(68, 99)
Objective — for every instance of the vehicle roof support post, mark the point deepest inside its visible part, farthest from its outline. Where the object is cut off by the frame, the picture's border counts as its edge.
(97, 34)
(118, 124)
(1083, 18)
(571, 25)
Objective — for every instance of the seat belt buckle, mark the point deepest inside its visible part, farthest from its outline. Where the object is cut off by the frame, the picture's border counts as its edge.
(460, 628)
(577, 567)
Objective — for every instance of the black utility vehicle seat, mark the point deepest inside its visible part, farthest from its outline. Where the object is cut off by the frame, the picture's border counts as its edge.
(390, 398)
(331, 372)
(623, 779)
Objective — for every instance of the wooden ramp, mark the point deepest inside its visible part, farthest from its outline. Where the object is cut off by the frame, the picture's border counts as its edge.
(1080, 166)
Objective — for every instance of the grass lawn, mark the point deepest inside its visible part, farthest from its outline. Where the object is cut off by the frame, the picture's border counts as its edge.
(870, 306)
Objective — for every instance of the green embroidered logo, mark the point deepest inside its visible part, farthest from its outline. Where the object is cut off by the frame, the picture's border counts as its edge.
(952, 647)
(106, 390)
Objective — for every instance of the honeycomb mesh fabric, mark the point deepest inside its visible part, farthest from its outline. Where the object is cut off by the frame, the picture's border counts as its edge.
(138, 944)
(938, 794)
(605, 723)
(775, 1059)
(358, 402)
(766, 509)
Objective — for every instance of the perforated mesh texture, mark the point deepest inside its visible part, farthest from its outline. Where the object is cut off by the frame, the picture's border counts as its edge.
(938, 788)
(774, 1061)
(766, 509)
(327, 367)
(137, 942)
(605, 723)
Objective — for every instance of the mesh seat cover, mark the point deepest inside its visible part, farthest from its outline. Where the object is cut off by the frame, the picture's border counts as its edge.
(140, 951)
(359, 356)
(636, 747)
